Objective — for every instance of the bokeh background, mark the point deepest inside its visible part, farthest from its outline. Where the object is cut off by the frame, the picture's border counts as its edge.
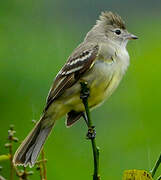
(36, 37)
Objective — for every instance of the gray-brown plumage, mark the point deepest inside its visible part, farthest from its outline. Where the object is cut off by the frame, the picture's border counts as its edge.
(71, 72)
(108, 18)
(100, 60)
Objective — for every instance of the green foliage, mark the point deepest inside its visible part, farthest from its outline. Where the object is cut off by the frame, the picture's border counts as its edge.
(21, 173)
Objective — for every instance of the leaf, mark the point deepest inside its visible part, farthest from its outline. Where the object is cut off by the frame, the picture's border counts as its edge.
(5, 157)
(136, 175)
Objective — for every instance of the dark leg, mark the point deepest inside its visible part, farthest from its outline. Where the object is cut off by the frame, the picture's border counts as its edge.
(84, 96)
(85, 118)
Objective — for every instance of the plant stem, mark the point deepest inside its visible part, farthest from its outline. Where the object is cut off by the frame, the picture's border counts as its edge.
(41, 173)
(43, 164)
(11, 157)
(153, 171)
(91, 130)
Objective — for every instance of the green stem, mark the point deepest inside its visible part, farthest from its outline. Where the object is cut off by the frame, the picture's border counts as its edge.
(11, 164)
(84, 97)
(96, 160)
(43, 164)
(153, 171)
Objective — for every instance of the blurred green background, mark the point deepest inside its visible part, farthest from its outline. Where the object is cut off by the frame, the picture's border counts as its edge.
(36, 37)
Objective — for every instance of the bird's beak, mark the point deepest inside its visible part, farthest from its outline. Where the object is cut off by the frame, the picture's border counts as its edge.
(131, 36)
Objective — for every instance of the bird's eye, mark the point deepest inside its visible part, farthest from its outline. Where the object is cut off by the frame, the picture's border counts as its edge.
(117, 31)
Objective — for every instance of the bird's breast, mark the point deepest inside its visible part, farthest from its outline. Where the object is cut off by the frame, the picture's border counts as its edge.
(122, 59)
(103, 79)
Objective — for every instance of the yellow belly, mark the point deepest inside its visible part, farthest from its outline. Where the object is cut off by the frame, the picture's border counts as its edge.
(102, 81)
(99, 92)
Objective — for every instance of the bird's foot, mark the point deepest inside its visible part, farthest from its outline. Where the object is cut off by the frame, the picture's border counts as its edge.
(91, 133)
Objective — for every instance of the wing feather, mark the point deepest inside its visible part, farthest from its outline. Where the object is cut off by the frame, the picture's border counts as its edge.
(81, 61)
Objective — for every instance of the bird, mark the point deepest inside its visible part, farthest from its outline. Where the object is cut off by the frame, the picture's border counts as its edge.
(101, 61)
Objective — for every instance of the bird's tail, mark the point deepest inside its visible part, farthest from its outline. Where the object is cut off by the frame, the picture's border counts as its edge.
(30, 148)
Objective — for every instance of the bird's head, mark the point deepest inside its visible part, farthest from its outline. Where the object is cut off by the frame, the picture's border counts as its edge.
(111, 27)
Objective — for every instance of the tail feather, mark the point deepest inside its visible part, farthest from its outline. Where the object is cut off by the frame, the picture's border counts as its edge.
(30, 148)
(38, 144)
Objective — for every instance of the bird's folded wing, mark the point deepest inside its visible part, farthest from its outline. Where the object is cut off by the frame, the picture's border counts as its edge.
(78, 63)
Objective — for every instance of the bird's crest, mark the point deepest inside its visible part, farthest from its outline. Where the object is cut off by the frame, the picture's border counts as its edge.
(109, 18)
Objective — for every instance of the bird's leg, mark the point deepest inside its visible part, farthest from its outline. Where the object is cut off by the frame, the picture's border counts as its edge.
(85, 118)
(91, 134)
(85, 92)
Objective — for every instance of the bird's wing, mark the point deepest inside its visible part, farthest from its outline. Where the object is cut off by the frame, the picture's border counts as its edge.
(78, 63)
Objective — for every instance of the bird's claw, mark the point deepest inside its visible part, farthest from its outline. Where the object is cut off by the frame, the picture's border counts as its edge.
(91, 133)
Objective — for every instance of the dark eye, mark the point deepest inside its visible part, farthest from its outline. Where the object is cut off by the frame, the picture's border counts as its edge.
(117, 31)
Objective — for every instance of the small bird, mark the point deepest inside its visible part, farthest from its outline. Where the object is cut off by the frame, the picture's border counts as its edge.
(100, 60)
